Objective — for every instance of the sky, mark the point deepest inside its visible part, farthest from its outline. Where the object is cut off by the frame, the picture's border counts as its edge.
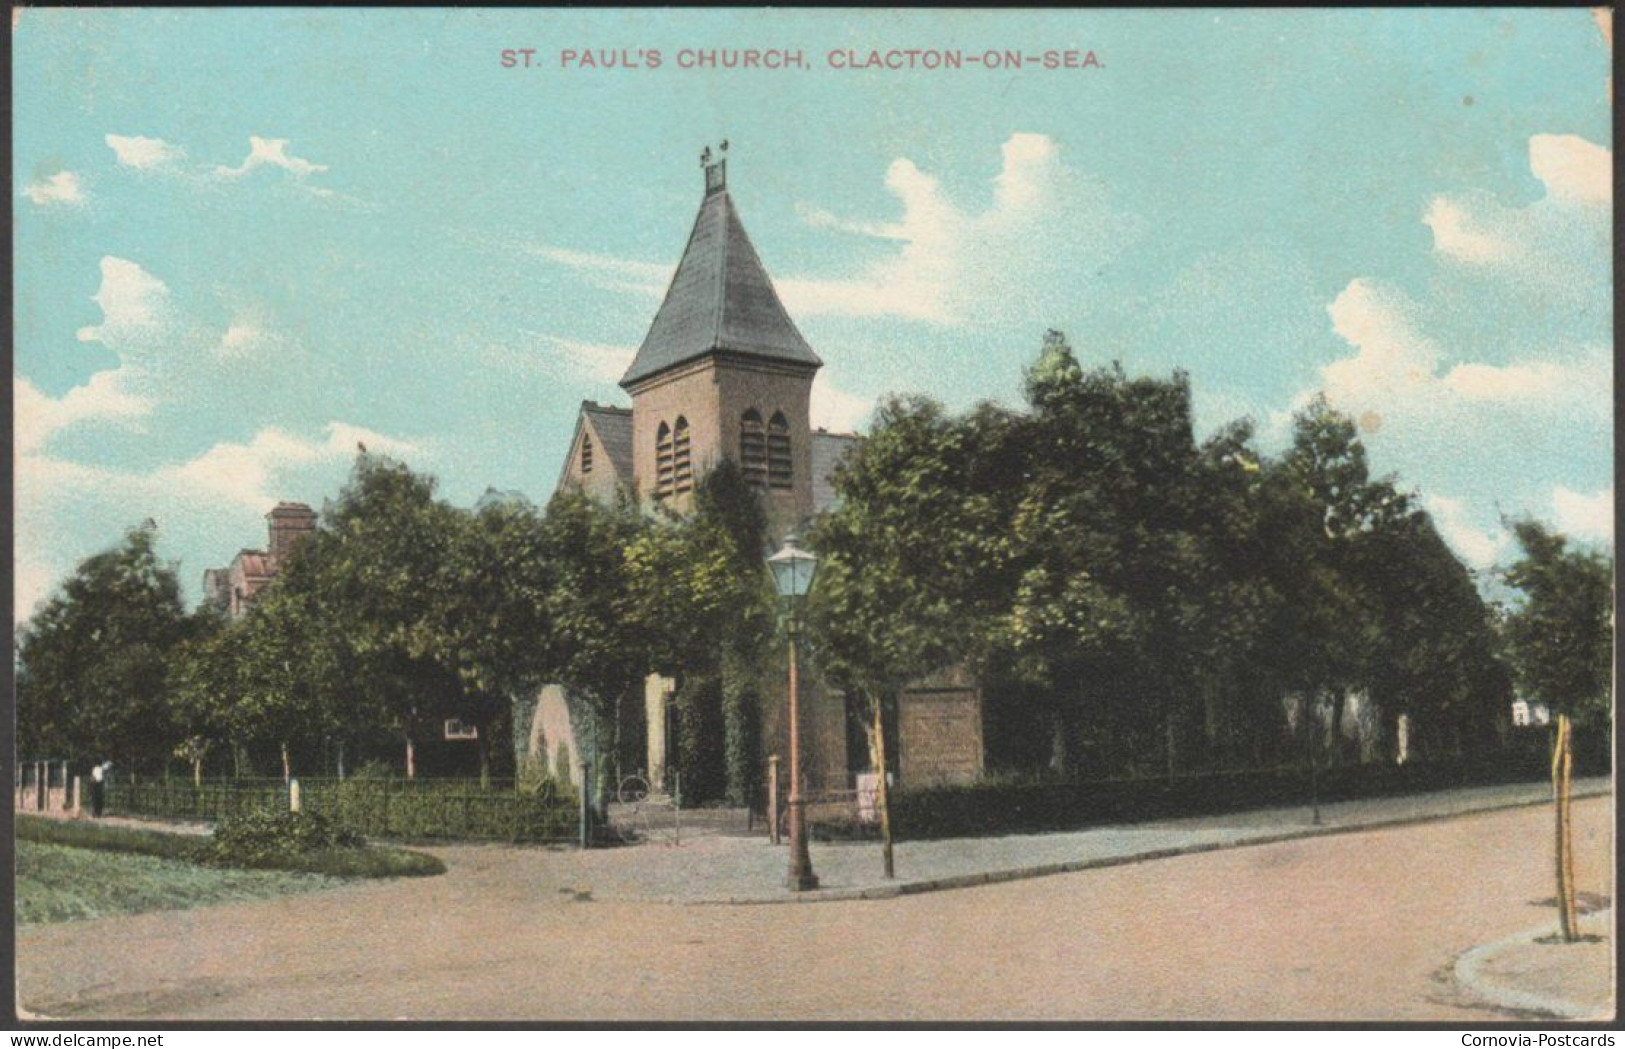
(248, 240)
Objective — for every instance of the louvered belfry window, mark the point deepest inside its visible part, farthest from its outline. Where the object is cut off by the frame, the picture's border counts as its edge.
(663, 462)
(682, 463)
(778, 452)
(586, 454)
(753, 449)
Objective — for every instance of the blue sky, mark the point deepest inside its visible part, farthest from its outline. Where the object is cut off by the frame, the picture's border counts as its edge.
(246, 240)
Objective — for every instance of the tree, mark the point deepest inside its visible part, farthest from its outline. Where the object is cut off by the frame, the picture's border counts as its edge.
(1561, 641)
(1109, 614)
(374, 575)
(204, 679)
(1561, 635)
(906, 560)
(92, 664)
(597, 646)
(489, 617)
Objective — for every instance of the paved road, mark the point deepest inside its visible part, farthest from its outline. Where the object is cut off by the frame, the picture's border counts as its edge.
(1357, 926)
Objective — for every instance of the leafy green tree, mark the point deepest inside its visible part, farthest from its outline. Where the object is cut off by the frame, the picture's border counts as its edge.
(488, 622)
(375, 575)
(203, 683)
(1108, 613)
(597, 644)
(1561, 635)
(283, 695)
(92, 663)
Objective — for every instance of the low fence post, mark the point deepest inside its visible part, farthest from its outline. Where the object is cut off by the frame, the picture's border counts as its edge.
(585, 818)
(78, 798)
(773, 799)
(293, 795)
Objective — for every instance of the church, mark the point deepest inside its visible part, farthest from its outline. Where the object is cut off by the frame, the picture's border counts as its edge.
(724, 373)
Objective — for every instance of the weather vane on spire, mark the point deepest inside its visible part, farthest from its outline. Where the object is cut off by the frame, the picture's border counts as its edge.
(716, 172)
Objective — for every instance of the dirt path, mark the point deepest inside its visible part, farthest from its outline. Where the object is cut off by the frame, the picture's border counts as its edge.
(1358, 926)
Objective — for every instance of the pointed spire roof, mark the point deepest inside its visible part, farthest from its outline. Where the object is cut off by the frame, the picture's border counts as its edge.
(721, 299)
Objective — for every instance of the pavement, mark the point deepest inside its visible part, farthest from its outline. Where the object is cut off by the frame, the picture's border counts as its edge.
(717, 869)
(1535, 972)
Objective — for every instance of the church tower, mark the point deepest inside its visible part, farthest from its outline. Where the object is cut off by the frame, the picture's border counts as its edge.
(723, 373)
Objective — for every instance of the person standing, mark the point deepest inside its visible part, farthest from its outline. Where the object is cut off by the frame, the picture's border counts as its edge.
(98, 788)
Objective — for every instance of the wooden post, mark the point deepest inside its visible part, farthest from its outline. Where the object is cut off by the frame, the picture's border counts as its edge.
(287, 764)
(883, 797)
(585, 815)
(1562, 769)
(293, 795)
(411, 760)
(78, 797)
(1568, 829)
(773, 798)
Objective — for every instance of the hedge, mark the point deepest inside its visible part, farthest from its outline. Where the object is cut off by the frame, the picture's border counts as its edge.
(1012, 807)
(406, 809)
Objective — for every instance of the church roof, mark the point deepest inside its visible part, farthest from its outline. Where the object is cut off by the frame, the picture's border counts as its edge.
(720, 299)
(614, 429)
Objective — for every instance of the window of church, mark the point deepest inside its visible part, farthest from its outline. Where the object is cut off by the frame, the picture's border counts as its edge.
(663, 462)
(778, 452)
(682, 466)
(586, 454)
(753, 449)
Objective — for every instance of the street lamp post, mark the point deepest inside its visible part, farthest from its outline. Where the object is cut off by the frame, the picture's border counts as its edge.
(793, 570)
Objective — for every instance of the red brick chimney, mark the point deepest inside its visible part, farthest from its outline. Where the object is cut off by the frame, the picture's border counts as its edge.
(289, 523)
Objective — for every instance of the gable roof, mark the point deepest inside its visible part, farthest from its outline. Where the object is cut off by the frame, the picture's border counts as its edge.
(256, 564)
(614, 429)
(611, 429)
(720, 299)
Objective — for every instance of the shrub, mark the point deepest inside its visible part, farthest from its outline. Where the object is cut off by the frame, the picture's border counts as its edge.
(377, 805)
(260, 839)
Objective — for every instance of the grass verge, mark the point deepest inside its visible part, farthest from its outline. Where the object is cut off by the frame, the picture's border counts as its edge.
(373, 861)
(58, 883)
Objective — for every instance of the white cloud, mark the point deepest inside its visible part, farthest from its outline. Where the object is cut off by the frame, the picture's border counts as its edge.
(951, 264)
(244, 473)
(1479, 547)
(270, 152)
(602, 362)
(244, 339)
(606, 271)
(1559, 243)
(1573, 168)
(64, 187)
(1584, 516)
(103, 398)
(133, 302)
(1396, 369)
(142, 153)
(836, 409)
(1456, 233)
